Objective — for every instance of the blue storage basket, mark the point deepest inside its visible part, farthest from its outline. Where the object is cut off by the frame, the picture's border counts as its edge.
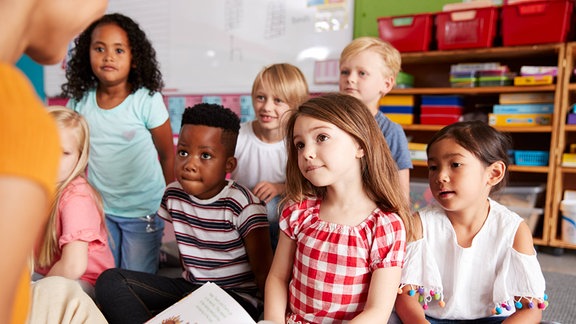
(531, 158)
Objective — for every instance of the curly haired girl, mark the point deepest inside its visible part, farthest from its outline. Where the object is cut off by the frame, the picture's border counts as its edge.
(114, 82)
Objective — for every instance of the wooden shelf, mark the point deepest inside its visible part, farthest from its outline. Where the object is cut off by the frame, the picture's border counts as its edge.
(539, 241)
(513, 168)
(474, 90)
(529, 169)
(496, 53)
(564, 169)
(561, 244)
(431, 71)
(508, 129)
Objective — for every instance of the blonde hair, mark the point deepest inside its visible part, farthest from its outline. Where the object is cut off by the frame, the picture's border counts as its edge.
(66, 119)
(285, 81)
(390, 55)
(379, 171)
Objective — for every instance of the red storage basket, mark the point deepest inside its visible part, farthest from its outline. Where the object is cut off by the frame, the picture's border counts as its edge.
(536, 22)
(407, 33)
(470, 28)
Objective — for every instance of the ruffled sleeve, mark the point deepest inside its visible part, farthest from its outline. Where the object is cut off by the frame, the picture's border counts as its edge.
(421, 273)
(521, 277)
(296, 214)
(80, 217)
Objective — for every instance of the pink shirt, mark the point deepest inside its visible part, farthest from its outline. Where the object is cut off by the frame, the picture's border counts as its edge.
(334, 262)
(80, 220)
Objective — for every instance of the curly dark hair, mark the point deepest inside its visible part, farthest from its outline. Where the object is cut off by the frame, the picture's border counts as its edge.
(145, 71)
(214, 115)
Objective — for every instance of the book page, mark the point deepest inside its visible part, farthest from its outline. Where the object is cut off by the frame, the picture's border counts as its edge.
(209, 304)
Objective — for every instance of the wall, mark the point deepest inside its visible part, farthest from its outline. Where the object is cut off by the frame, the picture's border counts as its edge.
(35, 73)
(218, 47)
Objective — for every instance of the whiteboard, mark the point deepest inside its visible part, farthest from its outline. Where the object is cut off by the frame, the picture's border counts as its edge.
(218, 46)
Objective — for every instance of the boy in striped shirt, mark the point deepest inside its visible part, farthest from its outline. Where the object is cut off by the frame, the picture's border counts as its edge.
(221, 227)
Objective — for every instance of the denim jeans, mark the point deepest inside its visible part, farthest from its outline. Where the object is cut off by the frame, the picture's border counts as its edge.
(273, 218)
(126, 296)
(135, 242)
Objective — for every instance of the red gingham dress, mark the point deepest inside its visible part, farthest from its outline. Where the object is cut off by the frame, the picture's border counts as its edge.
(333, 262)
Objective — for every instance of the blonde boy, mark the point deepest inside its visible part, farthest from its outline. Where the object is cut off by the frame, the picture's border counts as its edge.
(368, 69)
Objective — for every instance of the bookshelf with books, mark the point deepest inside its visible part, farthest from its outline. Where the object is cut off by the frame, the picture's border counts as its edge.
(431, 71)
(561, 226)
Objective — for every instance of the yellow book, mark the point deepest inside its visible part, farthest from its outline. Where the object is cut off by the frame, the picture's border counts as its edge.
(533, 80)
(417, 146)
(402, 119)
(397, 100)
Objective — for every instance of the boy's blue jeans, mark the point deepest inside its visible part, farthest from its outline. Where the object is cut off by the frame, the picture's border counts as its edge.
(135, 242)
(134, 297)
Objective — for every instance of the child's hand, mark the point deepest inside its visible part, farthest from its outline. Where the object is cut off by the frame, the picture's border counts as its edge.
(267, 190)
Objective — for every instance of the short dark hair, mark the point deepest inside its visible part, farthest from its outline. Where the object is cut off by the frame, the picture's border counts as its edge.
(214, 115)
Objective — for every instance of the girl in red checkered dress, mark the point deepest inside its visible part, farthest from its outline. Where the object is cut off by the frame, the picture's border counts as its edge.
(344, 221)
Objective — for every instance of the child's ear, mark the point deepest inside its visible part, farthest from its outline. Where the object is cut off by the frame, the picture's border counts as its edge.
(388, 85)
(231, 163)
(497, 172)
(359, 152)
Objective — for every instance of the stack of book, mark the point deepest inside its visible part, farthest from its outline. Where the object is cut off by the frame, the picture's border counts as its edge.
(417, 151)
(441, 110)
(398, 108)
(523, 109)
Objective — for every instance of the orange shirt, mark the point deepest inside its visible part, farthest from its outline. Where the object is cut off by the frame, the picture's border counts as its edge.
(29, 148)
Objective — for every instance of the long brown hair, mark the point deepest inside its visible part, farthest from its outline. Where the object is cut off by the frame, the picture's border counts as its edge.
(66, 118)
(379, 171)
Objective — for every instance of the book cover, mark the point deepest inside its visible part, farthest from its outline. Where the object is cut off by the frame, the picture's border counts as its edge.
(524, 109)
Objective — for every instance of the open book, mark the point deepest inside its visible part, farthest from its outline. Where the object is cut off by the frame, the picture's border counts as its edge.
(207, 304)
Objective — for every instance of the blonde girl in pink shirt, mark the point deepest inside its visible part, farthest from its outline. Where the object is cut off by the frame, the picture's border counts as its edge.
(75, 244)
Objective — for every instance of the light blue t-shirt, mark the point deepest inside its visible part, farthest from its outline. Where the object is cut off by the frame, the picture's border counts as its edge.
(396, 139)
(123, 163)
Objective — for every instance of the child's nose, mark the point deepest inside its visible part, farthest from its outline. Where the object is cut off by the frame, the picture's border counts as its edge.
(309, 153)
(190, 165)
(442, 176)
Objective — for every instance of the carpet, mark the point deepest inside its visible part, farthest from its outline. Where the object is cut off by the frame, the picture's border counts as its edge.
(561, 291)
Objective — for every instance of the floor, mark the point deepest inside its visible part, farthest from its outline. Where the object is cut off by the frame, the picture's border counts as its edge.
(557, 260)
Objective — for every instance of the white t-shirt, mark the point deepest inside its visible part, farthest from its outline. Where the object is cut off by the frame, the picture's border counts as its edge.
(258, 161)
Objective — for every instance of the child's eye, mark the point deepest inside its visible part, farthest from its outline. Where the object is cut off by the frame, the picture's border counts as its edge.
(260, 98)
(362, 73)
(432, 168)
(205, 156)
(322, 138)
(299, 145)
(182, 153)
(278, 100)
(99, 49)
(456, 164)
(120, 51)
(344, 72)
